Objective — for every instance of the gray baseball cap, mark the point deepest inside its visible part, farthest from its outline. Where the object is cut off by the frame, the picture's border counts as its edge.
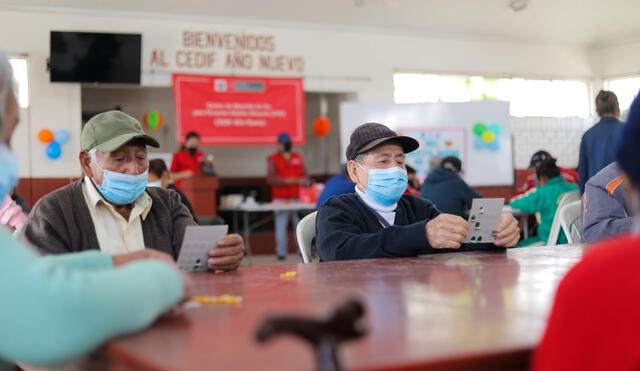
(111, 130)
(370, 135)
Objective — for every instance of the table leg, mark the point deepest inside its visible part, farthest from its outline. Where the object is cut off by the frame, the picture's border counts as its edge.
(247, 236)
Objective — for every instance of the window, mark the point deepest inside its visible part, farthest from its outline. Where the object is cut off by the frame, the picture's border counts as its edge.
(625, 88)
(20, 76)
(528, 97)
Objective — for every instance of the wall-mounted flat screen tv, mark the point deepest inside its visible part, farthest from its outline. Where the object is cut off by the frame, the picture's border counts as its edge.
(88, 57)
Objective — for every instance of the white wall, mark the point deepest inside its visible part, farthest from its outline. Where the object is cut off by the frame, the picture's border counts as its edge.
(360, 63)
(615, 60)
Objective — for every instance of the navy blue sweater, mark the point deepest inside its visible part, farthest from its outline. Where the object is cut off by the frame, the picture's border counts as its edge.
(346, 228)
(597, 149)
(448, 192)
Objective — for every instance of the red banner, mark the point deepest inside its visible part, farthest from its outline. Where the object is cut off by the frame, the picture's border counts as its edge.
(232, 110)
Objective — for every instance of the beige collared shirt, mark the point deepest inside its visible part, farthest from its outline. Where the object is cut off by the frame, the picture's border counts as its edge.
(115, 234)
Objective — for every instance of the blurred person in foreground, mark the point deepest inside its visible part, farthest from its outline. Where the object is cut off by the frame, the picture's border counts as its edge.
(55, 309)
(595, 320)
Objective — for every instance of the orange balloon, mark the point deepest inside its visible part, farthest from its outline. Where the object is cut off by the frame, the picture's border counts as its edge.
(45, 136)
(321, 126)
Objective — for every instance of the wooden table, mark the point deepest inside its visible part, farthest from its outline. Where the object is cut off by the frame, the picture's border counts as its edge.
(448, 311)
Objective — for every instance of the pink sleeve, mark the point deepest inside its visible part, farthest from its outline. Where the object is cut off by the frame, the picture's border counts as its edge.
(11, 214)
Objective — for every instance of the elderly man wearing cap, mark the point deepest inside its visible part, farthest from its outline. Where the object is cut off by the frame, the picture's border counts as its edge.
(285, 172)
(111, 209)
(595, 320)
(378, 220)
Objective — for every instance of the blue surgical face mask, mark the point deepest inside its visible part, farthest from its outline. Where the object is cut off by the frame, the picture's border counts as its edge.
(122, 189)
(386, 186)
(8, 171)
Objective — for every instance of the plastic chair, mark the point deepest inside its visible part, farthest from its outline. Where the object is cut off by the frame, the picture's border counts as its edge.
(565, 198)
(571, 221)
(305, 231)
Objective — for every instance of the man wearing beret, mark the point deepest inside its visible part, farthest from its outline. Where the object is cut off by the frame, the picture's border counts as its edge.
(111, 208)
(378, 221)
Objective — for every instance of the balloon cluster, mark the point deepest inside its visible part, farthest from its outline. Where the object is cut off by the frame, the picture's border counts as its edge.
(487, 136)
(54, 141)
(153, 120)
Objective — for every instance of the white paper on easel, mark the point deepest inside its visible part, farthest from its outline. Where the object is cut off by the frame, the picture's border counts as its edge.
(197, 242)
(483, 219)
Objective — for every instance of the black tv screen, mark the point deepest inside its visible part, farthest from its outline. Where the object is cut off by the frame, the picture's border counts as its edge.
(95, 57)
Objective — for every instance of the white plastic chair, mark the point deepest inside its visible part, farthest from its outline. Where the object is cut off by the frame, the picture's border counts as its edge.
(565, 198)
(305, 231)
(571, 220)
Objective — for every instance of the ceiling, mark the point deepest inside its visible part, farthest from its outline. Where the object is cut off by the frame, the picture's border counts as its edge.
(560, 22)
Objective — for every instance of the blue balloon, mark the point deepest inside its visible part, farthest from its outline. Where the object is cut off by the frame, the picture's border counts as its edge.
(61, 136)
(478, 143)
(496, 129)
(494, 146)
(53, 150)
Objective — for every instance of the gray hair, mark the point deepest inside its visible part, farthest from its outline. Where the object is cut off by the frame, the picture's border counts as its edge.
(6, 87)
(435, 162)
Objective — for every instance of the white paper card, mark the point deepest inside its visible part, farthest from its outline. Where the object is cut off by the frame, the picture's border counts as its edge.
(483, 219)
(198, 240)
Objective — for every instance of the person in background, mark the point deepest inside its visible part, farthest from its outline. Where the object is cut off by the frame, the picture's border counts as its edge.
(597, 145)
(337, 185)
(58, 308)
(569, 175)
(189, 160)
(285, 172)
(606, 211)
(111, 208)
(159, 176)
(379, 220)
(595, 320)
(543, 200)
(413, 184)
(447, 190)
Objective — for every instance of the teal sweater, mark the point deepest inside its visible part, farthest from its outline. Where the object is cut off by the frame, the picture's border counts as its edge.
(57, 308)
(544, 200)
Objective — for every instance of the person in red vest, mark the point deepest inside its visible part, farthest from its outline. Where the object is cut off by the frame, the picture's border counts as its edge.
(595, 320)
(285, 172)
(187, 161)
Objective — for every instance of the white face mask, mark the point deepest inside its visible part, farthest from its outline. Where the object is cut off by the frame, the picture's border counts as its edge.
(156, 183)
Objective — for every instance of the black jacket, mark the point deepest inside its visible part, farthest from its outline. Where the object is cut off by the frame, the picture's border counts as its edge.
(346, 228)
(448, 192)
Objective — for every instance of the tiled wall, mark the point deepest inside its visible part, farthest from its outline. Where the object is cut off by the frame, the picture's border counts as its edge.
(558, 136)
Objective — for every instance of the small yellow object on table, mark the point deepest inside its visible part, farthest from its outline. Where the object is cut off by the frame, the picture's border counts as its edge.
(288, 275)
(222, 299)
